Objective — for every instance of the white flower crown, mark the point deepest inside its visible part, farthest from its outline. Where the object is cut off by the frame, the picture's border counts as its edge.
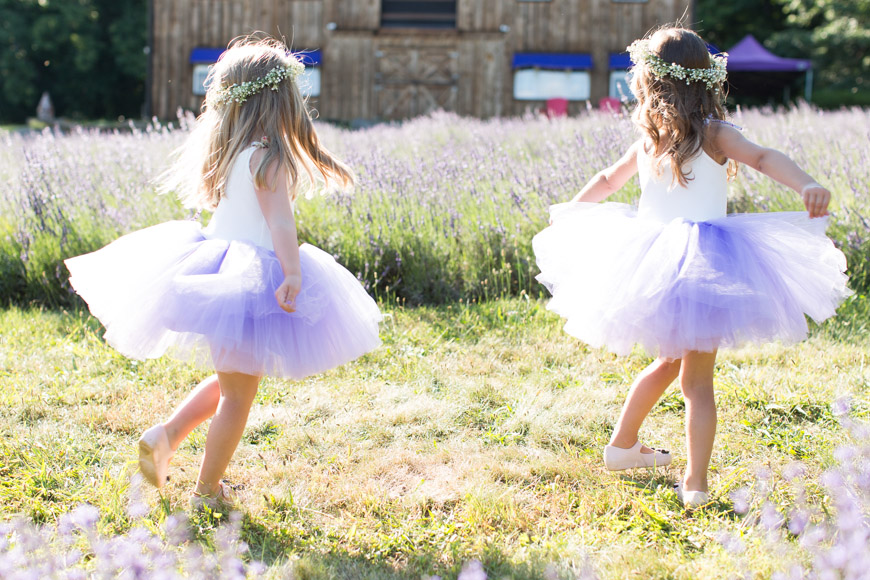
(241, 92)
(715, 74)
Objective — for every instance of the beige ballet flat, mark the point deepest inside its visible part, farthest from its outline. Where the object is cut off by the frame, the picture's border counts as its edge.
(618, 459)
(154, 455)
(223, 499)
(691, 499)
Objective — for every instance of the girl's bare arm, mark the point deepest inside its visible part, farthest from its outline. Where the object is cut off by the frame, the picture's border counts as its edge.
(776, 165)
(610, 180)
(278, 211)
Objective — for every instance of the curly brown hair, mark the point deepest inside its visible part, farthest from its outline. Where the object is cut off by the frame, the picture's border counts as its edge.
(673, 113)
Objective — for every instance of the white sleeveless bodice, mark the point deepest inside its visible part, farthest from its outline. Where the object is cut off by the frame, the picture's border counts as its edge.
(703, 198)
(238, 215)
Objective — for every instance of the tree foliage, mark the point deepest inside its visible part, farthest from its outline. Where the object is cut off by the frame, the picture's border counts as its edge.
(835, 34)
(88, 54)
(723, 24)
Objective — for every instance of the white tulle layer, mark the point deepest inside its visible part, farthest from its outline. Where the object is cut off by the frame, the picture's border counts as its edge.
(620, 280)
(167, 290)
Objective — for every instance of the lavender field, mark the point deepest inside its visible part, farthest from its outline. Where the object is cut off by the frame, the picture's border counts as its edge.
(445, 207)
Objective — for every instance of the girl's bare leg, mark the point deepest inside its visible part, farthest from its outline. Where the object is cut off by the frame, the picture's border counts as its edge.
(199, 405)
(696, 381)
(237, 392)
(647, 389)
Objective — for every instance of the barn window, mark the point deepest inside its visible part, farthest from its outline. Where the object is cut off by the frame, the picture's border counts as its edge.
(202, 59)
(542, 76)
(309, 82)
(620, 76)
(418, 14)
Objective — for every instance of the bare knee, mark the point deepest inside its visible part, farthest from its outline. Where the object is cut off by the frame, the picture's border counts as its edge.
(238, 387)
(670, 367)
(697, 389)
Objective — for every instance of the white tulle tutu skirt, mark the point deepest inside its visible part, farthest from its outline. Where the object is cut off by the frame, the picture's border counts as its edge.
(168, 290)
(622, 280)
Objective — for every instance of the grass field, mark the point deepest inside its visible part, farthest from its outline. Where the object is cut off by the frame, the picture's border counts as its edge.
(472, 436)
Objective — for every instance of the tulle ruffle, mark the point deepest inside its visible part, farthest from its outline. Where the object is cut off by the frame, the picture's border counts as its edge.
(167, 290)
(620, 280)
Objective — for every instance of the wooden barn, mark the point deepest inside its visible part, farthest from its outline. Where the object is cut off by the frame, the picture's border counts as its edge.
(373, 60)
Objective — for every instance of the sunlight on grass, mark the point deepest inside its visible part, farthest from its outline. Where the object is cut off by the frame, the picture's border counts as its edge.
(474, 432)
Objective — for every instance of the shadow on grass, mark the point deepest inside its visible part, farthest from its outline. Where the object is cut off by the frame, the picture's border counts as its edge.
(307, 552)
(492, 561)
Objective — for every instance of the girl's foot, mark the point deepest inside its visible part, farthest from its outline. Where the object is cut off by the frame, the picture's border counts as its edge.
(154, 455)
(691, 499)
(223, 498)
(618, 459)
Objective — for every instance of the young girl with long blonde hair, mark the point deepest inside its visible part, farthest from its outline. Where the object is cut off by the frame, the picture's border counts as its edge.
(676, 275)
(240, 295)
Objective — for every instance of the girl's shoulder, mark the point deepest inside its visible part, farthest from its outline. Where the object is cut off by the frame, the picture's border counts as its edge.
(715, 123)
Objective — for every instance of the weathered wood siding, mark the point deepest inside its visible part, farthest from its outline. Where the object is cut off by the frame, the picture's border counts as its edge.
(467, 69)
(347, 79)
(353, 14)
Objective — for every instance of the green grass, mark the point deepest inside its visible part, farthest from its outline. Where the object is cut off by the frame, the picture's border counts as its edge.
(475, 431)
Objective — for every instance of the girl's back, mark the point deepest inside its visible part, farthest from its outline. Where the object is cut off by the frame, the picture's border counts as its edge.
(238, 216)
(702, 198)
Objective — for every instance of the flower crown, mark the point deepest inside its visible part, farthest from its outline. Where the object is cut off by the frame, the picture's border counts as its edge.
(715, 74)
(241, 92)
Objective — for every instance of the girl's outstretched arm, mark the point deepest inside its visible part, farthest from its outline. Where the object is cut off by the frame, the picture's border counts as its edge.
(608, 181)
(278, 211)
(774, 164)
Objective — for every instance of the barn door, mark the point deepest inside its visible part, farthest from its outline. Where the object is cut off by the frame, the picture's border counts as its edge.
(412, 81)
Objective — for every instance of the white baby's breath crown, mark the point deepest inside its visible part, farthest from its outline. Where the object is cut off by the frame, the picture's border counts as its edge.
(241, 92)
(711, 76)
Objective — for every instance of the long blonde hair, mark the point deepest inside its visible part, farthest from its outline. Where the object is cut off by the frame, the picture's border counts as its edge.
(672, 113)
(278, 117)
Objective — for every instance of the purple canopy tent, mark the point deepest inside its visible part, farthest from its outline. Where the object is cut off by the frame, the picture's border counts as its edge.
(750, 55)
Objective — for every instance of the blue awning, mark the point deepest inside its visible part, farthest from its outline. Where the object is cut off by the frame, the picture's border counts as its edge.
(309, 57)
(210, 55)
(201, 54)
(619, 60)
(552, 61)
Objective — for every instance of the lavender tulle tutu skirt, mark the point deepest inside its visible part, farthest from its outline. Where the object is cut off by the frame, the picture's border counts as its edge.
(622, 280)
(168, 290)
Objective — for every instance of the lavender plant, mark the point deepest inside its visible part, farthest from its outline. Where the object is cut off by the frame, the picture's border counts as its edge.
(445, 207)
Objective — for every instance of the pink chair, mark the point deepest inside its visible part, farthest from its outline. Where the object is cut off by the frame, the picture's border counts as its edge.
(610, 105)
(557, 108)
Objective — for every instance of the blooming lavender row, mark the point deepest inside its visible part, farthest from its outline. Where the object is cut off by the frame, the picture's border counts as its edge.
(445, 207)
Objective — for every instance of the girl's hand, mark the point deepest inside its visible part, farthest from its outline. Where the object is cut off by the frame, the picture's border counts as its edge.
(287, 292)
(816, 199)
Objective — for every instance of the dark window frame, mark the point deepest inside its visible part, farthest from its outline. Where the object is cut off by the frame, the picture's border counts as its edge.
(421, 14)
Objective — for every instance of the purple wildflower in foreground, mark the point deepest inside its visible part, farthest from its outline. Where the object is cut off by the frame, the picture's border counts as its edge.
(29, 551)
(813, 541)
